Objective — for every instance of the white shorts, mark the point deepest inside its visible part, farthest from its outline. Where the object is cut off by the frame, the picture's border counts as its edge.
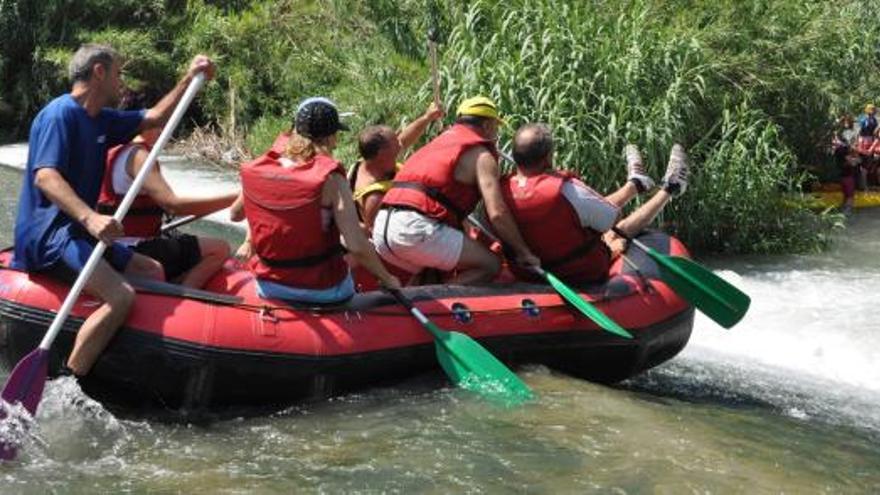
(413, 241)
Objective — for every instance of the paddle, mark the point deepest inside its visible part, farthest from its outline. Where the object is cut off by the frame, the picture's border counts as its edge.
(468, 364)
(179, 222)
(435, 78)
(25, 384)
(711, 294)
(582, 305)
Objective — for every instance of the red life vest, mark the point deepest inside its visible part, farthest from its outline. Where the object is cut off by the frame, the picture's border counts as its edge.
(144, 218)
(865, 145)
(551, 228)
(426, 182)
(283, 209)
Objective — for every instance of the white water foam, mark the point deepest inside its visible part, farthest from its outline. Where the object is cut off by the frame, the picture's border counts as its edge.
(819, 323)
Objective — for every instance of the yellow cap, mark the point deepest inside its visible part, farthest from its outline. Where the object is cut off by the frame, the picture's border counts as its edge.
(869, 107)
(479, 106)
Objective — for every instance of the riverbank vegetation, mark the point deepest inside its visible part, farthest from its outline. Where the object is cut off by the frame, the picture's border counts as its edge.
(749, 87)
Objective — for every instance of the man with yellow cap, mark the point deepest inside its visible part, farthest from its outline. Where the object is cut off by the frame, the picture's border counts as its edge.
(419, 223)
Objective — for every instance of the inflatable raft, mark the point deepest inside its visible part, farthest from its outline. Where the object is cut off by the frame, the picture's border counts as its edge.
(829, 195)
(196, 351)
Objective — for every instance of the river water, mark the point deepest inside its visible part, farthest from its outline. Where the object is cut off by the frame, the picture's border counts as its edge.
(787, 401)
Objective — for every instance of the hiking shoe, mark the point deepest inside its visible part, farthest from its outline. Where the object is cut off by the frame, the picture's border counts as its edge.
(65, 371)
(676, 179)
(635, 169)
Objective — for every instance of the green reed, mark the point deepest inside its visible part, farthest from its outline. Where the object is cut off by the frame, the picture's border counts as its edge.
(747, 87)
(750, 88)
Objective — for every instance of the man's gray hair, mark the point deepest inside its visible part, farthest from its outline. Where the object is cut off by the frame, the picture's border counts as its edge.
(84, 60)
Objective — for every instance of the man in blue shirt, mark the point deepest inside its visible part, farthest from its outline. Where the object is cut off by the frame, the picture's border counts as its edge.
(57, 226)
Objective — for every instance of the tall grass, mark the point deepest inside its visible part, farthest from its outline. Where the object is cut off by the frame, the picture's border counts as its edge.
(748, 87)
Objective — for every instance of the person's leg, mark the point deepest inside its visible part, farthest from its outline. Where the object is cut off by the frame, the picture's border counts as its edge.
(96, 332)
(476, 265)
(637, 180)
(144, 267)
(645, 214)
(674, 184)
(624, 195)
(214, 253)
(848, 187)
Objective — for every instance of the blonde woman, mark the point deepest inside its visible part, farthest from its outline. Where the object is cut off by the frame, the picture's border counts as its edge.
(298, 204)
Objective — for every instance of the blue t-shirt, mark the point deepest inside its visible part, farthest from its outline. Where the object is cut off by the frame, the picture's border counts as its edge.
(867, 125)
(64, 137)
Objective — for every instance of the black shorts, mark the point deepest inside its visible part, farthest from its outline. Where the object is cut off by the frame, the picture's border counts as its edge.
(177, 254)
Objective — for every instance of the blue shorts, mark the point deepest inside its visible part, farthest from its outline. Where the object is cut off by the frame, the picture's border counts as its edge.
(77, 251)
(340, 292)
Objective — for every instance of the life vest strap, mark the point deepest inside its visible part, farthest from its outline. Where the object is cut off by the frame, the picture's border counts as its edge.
(433, 193)
(574, 254)
(305, 261)
(109, 209)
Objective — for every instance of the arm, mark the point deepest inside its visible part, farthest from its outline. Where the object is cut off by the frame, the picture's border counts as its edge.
(411, 133)
(372, 202)
(52, 184)
(337, 193)
(593, 211)
(236, 211)
(158, 189)
(496, 209)
(236, 214)
(161, 111)
(246, 250)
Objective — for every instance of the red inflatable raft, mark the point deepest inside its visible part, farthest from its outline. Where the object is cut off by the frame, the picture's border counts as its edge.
(193, 351)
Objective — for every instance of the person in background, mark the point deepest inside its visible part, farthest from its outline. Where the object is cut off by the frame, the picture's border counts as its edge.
(57, 226)
(419, 224)
(549, 205)
(380, 148)
(297, 205)
(185, 259)
(846, 159)
(865, 146)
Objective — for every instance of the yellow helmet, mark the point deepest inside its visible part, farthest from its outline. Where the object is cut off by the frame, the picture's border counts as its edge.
(479, 106)
(869, 108)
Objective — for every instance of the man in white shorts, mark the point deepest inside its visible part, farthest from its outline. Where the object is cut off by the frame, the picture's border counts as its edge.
(419, 223)
(567, 224)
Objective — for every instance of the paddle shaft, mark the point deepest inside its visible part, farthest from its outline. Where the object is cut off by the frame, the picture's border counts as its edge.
(635, 241)
(179, 222)
(432, 48)
(406, 303)
(129, 198)
(589, 310)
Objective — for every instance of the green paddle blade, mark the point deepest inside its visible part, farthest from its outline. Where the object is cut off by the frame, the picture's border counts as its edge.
(470, 366)
(709, 293)
(590, 311)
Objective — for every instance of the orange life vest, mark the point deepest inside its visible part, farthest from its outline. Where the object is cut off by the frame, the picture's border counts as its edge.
(144, 218)
(551, 228)
(283, 209)
(427, 184)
